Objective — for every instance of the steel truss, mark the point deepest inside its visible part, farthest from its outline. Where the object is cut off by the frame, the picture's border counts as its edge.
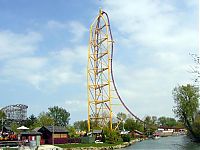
(101, 88)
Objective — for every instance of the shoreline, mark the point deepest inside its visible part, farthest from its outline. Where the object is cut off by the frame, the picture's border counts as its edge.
(123, 145)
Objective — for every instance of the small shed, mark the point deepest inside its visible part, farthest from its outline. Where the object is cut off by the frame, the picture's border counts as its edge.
(32, 137)
(54, 134)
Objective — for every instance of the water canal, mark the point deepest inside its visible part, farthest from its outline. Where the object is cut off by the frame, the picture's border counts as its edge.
(166, 143)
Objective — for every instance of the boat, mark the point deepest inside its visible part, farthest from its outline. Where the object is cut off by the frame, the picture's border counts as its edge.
(156, 136)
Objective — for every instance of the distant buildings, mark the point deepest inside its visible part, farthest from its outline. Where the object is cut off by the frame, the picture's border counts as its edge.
(168, 131)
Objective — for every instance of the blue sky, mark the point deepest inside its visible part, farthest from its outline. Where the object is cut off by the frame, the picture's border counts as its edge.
(44, 45)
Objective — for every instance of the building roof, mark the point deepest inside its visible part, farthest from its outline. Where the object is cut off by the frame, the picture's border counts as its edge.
(124, 132)
(97, 131)
(55, 129)
(36, 129)
(22, 128)
(138, 132)
(165, 127)
(31, 133)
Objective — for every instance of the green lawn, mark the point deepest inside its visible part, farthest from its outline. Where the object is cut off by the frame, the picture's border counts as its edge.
(88, 145)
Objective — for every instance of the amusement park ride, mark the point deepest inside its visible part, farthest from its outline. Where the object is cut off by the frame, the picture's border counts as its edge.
(101, 89)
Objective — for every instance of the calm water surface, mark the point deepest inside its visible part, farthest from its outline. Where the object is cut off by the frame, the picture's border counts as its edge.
(166, 143)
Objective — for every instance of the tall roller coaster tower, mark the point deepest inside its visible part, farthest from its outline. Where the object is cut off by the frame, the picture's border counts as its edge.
(99, 73)
(101, 88)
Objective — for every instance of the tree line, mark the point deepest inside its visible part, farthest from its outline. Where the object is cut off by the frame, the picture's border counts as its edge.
(186, 98)
(56, 116)
(186, 109)
(130, 124)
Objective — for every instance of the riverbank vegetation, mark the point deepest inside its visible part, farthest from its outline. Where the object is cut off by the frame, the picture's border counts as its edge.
(186, 109)
(88, 145)
(58, 116)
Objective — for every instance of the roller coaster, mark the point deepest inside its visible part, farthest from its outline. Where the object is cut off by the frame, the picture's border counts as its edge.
(101, 88)
(16, 112)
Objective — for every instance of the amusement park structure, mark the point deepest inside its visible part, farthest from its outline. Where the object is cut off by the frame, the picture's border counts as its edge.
(101, 88)
(16, 112)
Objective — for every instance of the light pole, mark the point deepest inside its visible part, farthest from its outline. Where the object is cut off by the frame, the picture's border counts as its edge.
(2, 125)
(123, 125)
(53, 134)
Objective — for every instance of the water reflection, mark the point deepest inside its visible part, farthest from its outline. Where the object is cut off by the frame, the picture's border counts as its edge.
(189, 145)
(166, 143)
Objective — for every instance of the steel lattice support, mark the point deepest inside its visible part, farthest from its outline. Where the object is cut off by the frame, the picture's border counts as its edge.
(16, 112)
(99, 74)
(101, 88)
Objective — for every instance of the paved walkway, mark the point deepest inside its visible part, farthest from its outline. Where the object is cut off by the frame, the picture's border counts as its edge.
(49, 147)
(42, 147)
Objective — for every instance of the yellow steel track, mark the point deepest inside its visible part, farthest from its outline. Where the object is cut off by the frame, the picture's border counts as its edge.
(98, 74)
(101, 88)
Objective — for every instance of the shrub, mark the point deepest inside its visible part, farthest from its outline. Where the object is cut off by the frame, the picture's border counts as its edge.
(103, 138)
(126, 138)
(112, 137)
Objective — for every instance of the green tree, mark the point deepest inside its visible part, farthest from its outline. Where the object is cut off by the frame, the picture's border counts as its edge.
(72, 131)
(186, 108)
(81, 125)
(30, 121)
(167, 121)
(131, 125)
(179, 124)
(171, 122)
(2, 117)
(122, 118)
(150, 124)
(43, 120)
(2, 114)
(162, 121)
(59, 115)
(154, 119)
(126, 138)
(14, 126)
(196, 125)
(112, 137)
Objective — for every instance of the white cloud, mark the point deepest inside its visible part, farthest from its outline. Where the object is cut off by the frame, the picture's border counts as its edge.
(153, 36)
(191, 2)
(77, 54)
(68, 65)
(27, 69)
(157, 36)
(151, 23)
(52, 24)
(53, 70)
(22, 59)
(27, 63)
(76, 28)
(148, 90)
(16, 44)
(77, 108)
(76, 105)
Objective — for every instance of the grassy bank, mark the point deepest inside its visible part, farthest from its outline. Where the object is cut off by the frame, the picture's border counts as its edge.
(87, 145)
